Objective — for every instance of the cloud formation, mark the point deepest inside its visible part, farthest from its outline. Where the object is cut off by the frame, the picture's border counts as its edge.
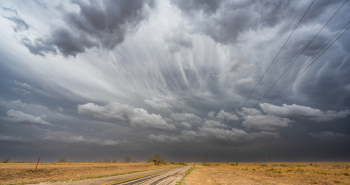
(260, 121)
(114, 110)
(175, 72)
(186, 117)
(21, 25)
(159, 104)
(329, 136)
(101, 24)
(11, 138)
(212, 124)
(65, 137)
(138, 117)
(298, 111)
(226, 115)
(21, 117)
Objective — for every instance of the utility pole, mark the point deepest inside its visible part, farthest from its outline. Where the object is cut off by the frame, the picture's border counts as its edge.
(206, 158)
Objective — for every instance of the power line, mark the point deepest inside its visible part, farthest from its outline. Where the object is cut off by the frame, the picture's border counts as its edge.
(274, 59)
(305, 67)
(286, 70)
(294, 61)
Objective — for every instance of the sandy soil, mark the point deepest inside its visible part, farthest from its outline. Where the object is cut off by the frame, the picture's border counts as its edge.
(272, 173)
(19, 173)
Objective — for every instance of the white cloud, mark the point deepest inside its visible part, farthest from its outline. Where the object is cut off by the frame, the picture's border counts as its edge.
(163, 138)
(236, 135)
(186, 117)
(189, 134)
(211, 114)
(159, 104)
(212, 123)
(225, 115)
(299, 111)
(263, 121)
(114, 110)
(223, 135)
(329, 136)
(185, 124)
(266, 122)
(21, 117)
(20, 90)
(142, 119)
(66, 137)
(24, 85)
(31, 109)
(138, 117)
(11, 138)
(60, 109)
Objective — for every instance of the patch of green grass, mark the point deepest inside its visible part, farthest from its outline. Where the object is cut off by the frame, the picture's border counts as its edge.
(206, 164)
(233, 164)
(180, 182)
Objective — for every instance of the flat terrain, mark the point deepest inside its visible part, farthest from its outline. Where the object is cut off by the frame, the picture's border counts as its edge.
(165, 176)
(271, 173)
(22, 173)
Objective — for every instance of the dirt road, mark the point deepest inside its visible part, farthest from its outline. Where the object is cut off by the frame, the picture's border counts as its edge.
(167, 176)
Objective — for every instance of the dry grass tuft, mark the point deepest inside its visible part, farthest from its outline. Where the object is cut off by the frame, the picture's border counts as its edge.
(21, 173)
(271, 173)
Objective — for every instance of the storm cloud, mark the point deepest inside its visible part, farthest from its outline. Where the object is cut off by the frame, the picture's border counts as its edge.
(101, 24)
(134, 78)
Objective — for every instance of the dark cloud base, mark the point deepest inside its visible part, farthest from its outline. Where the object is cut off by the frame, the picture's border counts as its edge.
(144, 77)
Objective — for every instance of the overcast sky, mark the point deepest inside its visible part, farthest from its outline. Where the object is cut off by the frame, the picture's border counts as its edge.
(90, 80)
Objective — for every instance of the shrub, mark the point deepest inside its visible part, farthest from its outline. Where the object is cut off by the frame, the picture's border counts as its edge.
(62, 160)
(127, 160)
(6, 160)
(206, 164)
(156, 159)
(114, 161)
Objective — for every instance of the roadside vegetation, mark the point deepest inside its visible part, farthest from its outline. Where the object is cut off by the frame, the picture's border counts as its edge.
(156, 159)
(182, 181)
(179, 163)
(271, 172)
(23, 173)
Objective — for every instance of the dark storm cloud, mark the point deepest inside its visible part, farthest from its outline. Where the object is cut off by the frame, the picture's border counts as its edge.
(225, 21)
(97, 24)
(176, 85)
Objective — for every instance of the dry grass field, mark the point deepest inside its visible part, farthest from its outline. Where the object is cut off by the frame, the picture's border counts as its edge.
(271, 173)
(21, 173)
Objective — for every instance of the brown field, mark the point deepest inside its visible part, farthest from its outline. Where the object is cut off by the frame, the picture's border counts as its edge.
(271, 173)
(21, 173)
